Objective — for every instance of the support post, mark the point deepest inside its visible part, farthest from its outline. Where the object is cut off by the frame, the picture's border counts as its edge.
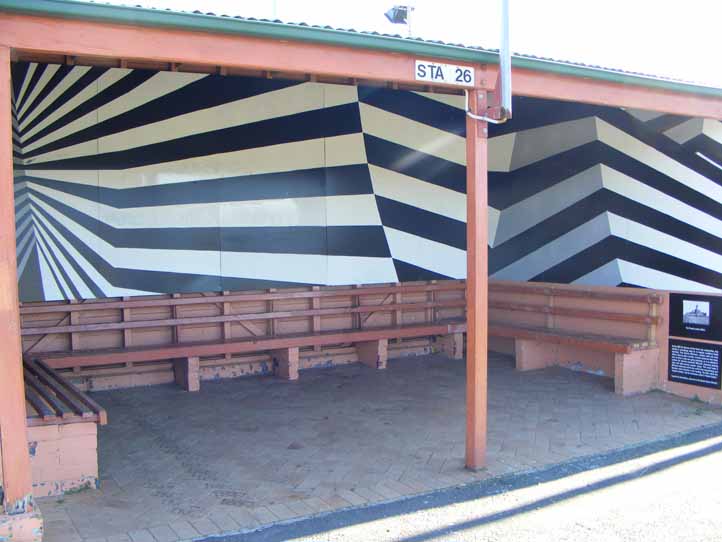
(286, 362)
(188, 373)
(477, 282)
(17, 479)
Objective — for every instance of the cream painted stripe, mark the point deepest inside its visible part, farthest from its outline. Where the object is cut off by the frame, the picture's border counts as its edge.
(360, 270)
(558, 250)
(412, 134)
(47, 255)
(662, 242)
(431, 255)
(51, 291)
(276, 104)
(529, 212)
(685, 131)
(713, 129)
(353, 210)
(650, 156)
(617, 271)
(28, 76)
(270, 105)
(107, 79)
(158, 85)
(418, 193)
(80, 285)
(272, 159)
(21, 219)
(449, 99)
(70, 78)
(107, 288)
(659, 201)
(633, 273)
(48, 73)
(182, 261)
(25, 237)
(308, 268)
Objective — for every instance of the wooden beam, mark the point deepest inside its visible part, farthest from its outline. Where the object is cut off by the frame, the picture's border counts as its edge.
(476, 283)
(168, 45)
(553, 86)
(17, 480)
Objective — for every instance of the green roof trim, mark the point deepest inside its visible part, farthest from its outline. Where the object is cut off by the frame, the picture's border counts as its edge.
(140, 16)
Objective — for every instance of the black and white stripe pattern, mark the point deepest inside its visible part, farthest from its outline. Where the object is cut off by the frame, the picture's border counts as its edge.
(131, 182)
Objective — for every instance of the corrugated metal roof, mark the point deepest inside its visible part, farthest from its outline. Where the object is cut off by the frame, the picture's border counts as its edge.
(208, 21)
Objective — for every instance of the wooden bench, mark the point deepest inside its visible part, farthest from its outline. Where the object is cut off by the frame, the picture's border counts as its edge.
(51, 399)
(368, 317)
(613, 332)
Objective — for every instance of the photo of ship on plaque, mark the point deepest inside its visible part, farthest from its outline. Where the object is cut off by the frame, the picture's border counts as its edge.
(695, 313)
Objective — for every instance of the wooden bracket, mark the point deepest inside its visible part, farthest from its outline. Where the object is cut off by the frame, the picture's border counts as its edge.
(187, 373)
(375, 354)
(452, 345)
(286, 362)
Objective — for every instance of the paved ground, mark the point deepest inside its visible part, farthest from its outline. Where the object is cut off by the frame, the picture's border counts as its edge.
(669, 490)
(248, 452)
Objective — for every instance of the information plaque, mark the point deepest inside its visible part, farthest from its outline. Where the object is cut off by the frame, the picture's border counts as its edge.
(696, 363)
(695, 316)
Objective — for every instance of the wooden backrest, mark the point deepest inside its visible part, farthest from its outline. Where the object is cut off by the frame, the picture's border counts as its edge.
(618, 312)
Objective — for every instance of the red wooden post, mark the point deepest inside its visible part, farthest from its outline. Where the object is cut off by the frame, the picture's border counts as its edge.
(17, 480)
(477, 282)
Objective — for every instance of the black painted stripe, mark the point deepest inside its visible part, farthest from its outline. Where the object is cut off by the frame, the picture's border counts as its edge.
(317, 182)
(665, 122)
(37, 74)
(74, 292)
(367, 241)
(506, 189)
(707, 146)
(407, 272)
(314, 124)
(30, 283)
(210, 91)
(585, 210)
(611, 248)
(87, 79)
(422, 223)
(46, 257)
(107, 95)
(414, 163)
(415, 107)
(56, 78)
(18, 71)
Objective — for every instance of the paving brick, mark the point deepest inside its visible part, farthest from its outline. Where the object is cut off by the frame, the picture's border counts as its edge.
(183, 529)
(141, 535)
(163, 533)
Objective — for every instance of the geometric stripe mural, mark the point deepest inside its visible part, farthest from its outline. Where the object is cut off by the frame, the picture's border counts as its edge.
(133, 182)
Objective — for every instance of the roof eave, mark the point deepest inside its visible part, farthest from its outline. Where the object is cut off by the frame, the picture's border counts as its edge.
(139, 16)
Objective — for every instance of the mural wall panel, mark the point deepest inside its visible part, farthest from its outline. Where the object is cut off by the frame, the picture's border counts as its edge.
(131, 182)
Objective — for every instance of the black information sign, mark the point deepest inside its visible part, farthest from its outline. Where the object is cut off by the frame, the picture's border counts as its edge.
(695, 316)
(696, 363)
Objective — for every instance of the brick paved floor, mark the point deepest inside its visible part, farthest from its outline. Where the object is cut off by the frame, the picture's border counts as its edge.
(246, 452)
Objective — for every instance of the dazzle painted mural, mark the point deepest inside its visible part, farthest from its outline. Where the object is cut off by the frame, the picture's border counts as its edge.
(131, 182)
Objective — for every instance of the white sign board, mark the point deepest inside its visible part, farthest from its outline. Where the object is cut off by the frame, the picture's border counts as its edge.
(448, 74)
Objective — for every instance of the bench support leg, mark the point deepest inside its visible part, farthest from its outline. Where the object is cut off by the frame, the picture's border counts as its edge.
(187, 373)
(285, 363)
(636, 371)
(375, 354)
(532, 355)
(452, 346)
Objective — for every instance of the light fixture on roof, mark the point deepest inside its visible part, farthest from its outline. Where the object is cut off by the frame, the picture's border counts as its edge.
(400, 15)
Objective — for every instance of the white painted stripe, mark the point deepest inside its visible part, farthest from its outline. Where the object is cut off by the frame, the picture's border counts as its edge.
(659, 201)
(53, 282)
(413, 134)
(24, 255)
(23, 242)
(685, 131)
(22, 223)
(359, 270)
(160, 84)
(272, 159)
(353, 210)
(650, 156)
(50, 70)
(431, 255)
(533, 210)
(709, 160)
(418, 193)
(106, 287)
(664, 243)
(105, 80)
(643, 114)
(197, 262)
(70, 78)
(24, 87)
(77, 281)
(558, 250)
(608, 274)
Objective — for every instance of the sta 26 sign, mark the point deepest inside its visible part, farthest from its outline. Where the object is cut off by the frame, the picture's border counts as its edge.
(448, 74)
